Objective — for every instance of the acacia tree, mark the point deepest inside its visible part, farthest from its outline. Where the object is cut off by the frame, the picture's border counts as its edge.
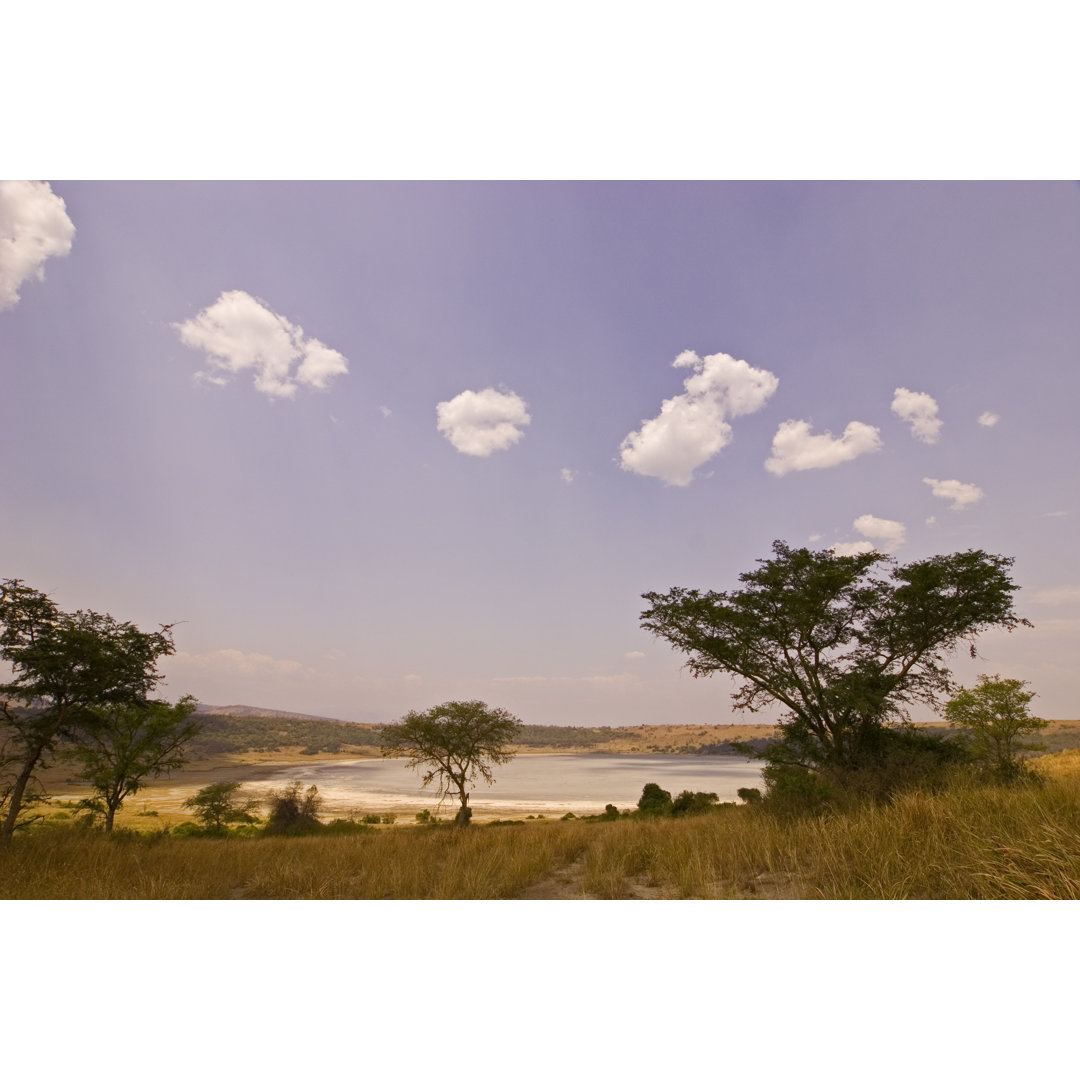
(218, 805)
(124, 744)
(845, 643)
(995, 714)
(454, 743)
(65, 666)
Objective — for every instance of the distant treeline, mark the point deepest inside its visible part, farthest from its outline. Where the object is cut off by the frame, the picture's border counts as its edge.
(554, 735)
(237, 734)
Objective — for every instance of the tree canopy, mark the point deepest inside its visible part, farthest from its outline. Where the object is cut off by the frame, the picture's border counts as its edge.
(454, 743)
(66, 665)
(844, 643)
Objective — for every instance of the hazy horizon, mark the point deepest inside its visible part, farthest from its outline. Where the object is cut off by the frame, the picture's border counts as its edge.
(372, 446)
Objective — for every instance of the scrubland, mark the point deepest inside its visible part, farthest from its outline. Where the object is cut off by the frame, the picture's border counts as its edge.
(970, 841)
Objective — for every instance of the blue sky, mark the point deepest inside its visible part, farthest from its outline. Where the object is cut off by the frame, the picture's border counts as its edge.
(337, 523)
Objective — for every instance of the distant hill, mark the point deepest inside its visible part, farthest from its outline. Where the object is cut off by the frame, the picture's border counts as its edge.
(255, 710)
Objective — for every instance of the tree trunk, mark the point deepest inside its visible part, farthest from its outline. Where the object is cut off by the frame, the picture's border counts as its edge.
(110, 813)
(16, 798)
(465, 813)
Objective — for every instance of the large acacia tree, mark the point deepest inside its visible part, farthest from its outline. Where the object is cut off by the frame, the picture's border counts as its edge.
(844, 643)
(454, 743)
(66, 665)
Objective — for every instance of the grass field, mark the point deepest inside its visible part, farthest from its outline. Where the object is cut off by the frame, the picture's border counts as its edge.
(970, 842)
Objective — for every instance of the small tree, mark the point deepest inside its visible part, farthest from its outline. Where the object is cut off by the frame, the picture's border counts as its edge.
(995, 713)
(218, 805)
(127, 743)
(454, 742)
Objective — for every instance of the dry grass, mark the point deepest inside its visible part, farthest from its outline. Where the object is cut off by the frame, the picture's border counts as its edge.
(970, 842)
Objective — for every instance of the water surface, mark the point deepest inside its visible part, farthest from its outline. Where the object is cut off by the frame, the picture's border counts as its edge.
(531, 783)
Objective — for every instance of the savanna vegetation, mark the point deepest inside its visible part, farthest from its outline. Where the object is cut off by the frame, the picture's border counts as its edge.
(857, 802)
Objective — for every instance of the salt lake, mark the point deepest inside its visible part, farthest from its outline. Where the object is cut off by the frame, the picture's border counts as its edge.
(551, 784)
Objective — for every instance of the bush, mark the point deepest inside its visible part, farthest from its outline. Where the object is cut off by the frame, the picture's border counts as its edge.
(611, 812)
(292, 813)
(654, 800)
(694, 802)
(749, 794)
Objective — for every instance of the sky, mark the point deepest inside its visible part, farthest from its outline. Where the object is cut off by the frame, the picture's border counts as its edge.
(375, 445)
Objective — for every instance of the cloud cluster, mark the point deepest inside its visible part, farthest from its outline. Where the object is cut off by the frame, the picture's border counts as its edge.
(794, 448)
(240, 333)
(919, 411)
(481, 422)
(961, 494)
(988, 419)
(34, 226)
(693, 426)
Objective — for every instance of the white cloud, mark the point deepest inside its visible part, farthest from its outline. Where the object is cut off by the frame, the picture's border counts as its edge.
(961, 494)
(858, 547)
(989, 419)
(1063, 594)
(34, 226)
(239, 333)
(794, 448)
(693, 426)
(920, 411)
(1055, 513)
(814, 538)
(386, 411)
(235, 662)
(635, 655)
(931, 520)
(891, 533)
(480, 422)
(567, 475)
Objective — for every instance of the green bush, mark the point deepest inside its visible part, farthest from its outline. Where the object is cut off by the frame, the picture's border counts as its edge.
(292, 813)
(654, 800)
(694, 802)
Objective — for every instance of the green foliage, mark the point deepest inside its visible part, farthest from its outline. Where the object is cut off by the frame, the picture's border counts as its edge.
(995, 715)
(654, 800)
(611, 812)
(553, 735)
(749, 794)
(293, 812)
(844, 643)
(694, 802)
(66, 667)
(121, 745)
(218, 805)
(454, 743)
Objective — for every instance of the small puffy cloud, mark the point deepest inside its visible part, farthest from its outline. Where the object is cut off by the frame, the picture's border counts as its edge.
(1055, 513)
(814, 537)
(857, 547)
(1063, 594)
(989, 419)
(961, 494)
(931, 520)
(386, 411)
(794, 448)
(567, 475)
(240, 333)
(693, 426)
(920, 411)
(34, 226)
(635, 655)
(891, 533)
(481, 422)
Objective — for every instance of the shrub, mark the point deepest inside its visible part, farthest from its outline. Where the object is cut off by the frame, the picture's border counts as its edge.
(611, 812)
(654, 800)
(292, 813)
(749, 794)
(694, 802)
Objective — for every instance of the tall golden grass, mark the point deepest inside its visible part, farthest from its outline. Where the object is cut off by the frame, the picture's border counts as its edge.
(969, 842)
